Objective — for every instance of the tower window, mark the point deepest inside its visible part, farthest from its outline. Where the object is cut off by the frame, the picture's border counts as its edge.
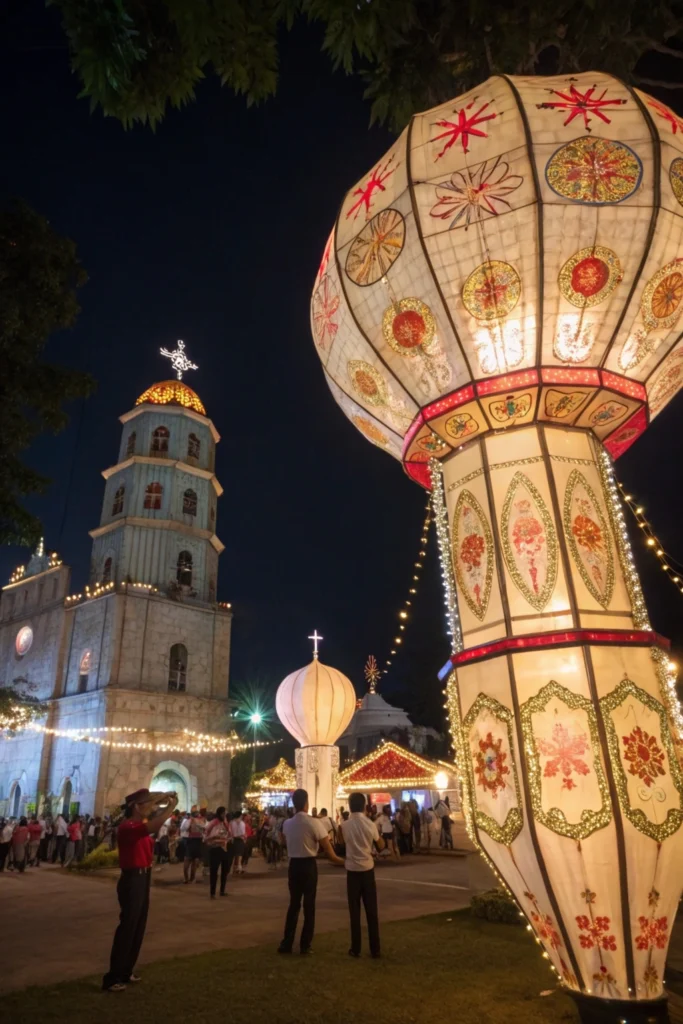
(106, 570)
(130, 444)
(177, 668)
(84, 670)
(190, 503)
(117, 507)
(160, 441)
(153, 495)
(193, 446)
(184, 569)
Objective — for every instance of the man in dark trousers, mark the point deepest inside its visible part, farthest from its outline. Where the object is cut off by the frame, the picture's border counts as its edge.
(360, 833)
(145, 813)
(303, 835)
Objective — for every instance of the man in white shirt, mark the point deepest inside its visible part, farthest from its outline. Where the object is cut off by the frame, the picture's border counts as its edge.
(60, 833)
(359, 834)
(238, 831)
(303, 835)
(326, 821)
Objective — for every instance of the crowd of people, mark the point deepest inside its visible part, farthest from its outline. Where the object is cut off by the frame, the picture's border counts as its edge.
(190, 837)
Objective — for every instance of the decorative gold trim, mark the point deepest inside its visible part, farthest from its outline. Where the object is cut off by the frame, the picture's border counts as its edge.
(540, 600)
(466, 497)
(555, 819)
(576, 479)
(514, 819)
(674, 818)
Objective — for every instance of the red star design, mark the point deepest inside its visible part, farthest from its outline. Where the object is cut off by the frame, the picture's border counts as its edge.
(668, 115)
(581, 104)
(366, 192)
(463, 127)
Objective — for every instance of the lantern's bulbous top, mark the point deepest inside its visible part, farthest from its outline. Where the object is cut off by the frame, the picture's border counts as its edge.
(315, 704)
(517, 255)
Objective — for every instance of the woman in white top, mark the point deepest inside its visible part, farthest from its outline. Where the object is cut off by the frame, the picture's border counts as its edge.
(385, 827)
(237, 831)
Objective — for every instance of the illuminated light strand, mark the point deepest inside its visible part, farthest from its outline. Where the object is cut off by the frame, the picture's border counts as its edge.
(670, 565)
(404, 613)
(106, 588)
(454, 629)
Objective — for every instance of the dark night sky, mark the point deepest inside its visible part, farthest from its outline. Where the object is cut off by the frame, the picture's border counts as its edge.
(211, 230)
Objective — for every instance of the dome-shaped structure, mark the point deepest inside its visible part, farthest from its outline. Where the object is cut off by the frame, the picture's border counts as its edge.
(172, 392)
(514, 257)
(315, 704)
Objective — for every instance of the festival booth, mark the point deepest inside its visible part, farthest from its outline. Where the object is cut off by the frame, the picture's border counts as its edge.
(390, 774)
(273, 787)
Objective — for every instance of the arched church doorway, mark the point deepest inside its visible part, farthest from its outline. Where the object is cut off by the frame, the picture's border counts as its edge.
(16, 802)
(167, 781)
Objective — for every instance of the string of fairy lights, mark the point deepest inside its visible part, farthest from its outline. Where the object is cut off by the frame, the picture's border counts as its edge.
(372, 672)
(669, 565)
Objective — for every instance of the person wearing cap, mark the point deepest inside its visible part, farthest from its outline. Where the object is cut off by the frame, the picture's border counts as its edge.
(145, 813)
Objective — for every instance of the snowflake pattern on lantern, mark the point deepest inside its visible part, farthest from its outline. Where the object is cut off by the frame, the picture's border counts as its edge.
(490, 767)
(581, 104)
(473, 553)
(565, 752)
(653, 933)
(645, 758)
(325, 305)
(476, 193)
(587, 533)
(376, 248)
(594, 171)
(466, 125)
(596, 932)
(529, 541)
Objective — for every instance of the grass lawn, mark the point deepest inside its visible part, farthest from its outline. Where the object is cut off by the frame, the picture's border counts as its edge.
(432, 969)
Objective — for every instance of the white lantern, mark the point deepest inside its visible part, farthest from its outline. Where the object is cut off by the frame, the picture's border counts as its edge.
(499, 306)
(316, 704)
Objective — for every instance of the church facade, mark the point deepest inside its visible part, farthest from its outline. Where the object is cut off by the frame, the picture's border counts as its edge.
(145, 647)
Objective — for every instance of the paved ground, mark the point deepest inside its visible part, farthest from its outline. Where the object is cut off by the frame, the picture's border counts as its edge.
(61, 925)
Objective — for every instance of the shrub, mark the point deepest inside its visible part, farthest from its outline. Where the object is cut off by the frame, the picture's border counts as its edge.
(495, 905)
(100, 857)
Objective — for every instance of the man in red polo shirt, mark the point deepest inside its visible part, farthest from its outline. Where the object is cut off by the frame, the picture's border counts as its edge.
(145, 813)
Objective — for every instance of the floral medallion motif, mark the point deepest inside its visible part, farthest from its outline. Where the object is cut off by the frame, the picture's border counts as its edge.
(589, 276)
(492, 290)
(473, 553)
(491, 773)
(511, 408)
(676, 179)
(641, 749)
(368, 382)
(608, 412)
(667, 383)
(594, 171)
(460, 426)
(376, 248)
(371, 431)
(661, 303)
(563, 754)
(561, 404)
(644, 756)
(324, 308)
(595, 932)
(588, 537)
(529, 541)
(475, 193)
(409, 327)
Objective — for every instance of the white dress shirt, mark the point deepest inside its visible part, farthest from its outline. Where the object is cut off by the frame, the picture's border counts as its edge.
(237, 828)
(359, 833)
(303, 834)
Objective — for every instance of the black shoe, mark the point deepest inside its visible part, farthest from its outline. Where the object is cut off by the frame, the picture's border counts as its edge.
(213, 897)
(375, 956)
(306, 951)
(283, 949)
(224, 894)
(352, 952)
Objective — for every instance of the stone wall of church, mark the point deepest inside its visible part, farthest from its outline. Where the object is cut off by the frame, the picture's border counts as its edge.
(37, 603)
(90, 627)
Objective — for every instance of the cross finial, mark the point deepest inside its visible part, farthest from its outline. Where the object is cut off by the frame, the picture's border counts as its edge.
(315, 638)
(179, 360)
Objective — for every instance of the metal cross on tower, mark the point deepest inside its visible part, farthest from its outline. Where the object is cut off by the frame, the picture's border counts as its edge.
(179, 360)
(315, 638)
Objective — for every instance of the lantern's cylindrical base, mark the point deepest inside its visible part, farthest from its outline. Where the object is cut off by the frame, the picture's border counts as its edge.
(593, 1010)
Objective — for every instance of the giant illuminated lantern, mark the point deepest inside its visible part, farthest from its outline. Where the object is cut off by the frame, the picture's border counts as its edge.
(500, 306)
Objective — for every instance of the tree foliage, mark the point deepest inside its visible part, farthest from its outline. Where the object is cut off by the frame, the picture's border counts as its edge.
(39, 275)
(18, 708)
(135, 57)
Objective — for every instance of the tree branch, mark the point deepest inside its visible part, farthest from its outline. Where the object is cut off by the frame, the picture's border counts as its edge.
(668, 50)
(657, 83)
